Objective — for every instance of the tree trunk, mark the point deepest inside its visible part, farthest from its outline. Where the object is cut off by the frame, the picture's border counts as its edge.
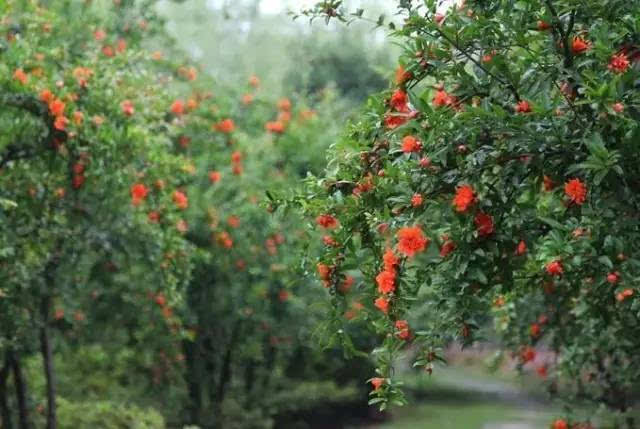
(5, 413)
(193, 381)
(47, 359)
(21, 391)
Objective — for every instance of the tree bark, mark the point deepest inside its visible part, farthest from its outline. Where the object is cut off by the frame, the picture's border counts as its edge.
(5, 413)
(21, 391)
(47, 359)
(193, 382)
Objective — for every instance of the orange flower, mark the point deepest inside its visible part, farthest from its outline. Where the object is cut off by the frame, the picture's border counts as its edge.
(621, 296)
(618, 63)
(327, 221)
(284, 104)
(547, 183)
(214, 176)
(411, 144)
(154, 217)
(523, 106)
(56, 108)
(247, 99)
(543, 25)
(555, 268)
(180, 200)
(390, 260)
(138, 193)
(60, 123)
(21, 76)
(576, 191)
(107, 51)
(411, 240)
(377, 382)
(521, 248)
(177, 107)
(274, 127)
(78, 117)
(382, 304)
(46, 96)
(464, 198)
(233, 221)
(484, 224)
(416, 200)
(386, 281)
(580, 45)
(127, 108)
(99, 35)
(254, 81)
(402, 75)
(225, 126)
(618, 107)
(224, 239)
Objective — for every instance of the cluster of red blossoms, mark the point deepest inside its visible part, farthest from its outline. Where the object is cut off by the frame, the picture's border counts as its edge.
(284, 117)
(463, 200)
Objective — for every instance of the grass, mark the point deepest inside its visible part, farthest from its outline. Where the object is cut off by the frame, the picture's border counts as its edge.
(465, 416)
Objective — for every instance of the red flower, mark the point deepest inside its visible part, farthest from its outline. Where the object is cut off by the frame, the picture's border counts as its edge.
(484, 224)
(425, 162)
(618, 63)
(180, 199)
(402, 326)
(547, 183)
(441, 98)
(521, 248)
(177, 107)
(346, 284)
(78, 181)
(448, 246)
(576, 191)
(214, 176)
(411, 240)
(542, 371)
(543, 25)
(224, 239)
(580, 45)
(138, 193)
(523, 106)
(411, 144)
(233, 221)
(464, 198)
(127, 107)
(236, 157)
(528, 354)
(154, 217)
(618, 107)
(323, 271)
(377, 382)
(416, 200)
(21, 76)
(225, 126)
(390, 260)
(621, 296)
(107, 51)
(254, 81)
(613, 278)
(393, 121)
(554, 268)
(560, 424)
(399, 101)
(99, 35)
(386, 281)
(382, 304)
(534, 330)
(56, 108)
(402, 75)
(327, 221)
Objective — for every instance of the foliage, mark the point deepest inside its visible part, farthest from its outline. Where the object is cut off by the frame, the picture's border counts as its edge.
(498, 175)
